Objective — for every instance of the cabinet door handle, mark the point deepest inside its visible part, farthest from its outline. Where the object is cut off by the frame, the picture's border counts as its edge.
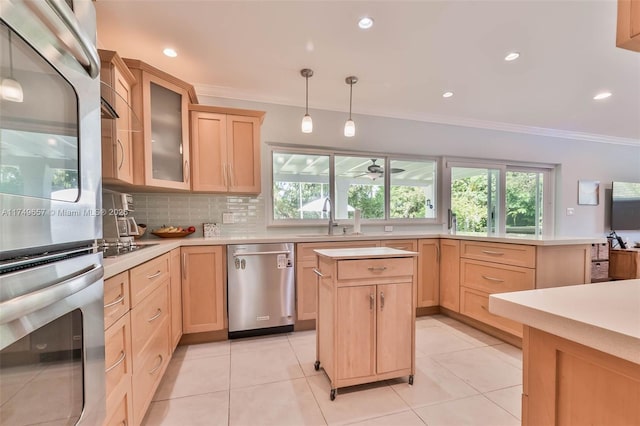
(154, 275)
(184, 266)
(381, 300)
(498, 280)
(318, 273)
(115, 302)
(156, 316)
(493, 253)
(372, 301)
(122, 150)
(438, 252)
(121, 358)
(377, 268)
(186, 171)
(153, 370)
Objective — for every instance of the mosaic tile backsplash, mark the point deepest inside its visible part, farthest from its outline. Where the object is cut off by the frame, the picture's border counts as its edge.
(155, 210)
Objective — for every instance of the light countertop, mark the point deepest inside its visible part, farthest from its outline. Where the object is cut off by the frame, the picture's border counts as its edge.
(604, 316)
(113, 266)
(365, 253)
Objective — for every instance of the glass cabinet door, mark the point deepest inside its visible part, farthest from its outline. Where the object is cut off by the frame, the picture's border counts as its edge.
(166, 134)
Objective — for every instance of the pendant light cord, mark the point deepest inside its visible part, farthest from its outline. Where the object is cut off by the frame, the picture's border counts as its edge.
(350, 97)
(306, 111)
(10, 55)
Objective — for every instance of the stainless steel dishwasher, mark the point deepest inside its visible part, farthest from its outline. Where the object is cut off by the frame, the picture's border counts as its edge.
(260, 288)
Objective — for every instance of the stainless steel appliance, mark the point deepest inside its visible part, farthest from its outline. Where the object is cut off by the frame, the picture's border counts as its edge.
(117, 223)
(260, 288)
(51, 285)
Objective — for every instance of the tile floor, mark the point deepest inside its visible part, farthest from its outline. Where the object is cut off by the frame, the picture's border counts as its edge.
(463, 377)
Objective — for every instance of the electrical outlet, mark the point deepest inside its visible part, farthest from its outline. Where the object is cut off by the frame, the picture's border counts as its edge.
(227, 218)
(388, 228)
(570, 211)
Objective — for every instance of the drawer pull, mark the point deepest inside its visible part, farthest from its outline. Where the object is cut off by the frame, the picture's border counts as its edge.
(318, 273)
(156, 316)
(497, 280)
(154, 275)
(381, 300)
(154, 369)
(118, 362)
(372, 301)
(377, 268)
(115, 302)
(484, 307)
(493, 253)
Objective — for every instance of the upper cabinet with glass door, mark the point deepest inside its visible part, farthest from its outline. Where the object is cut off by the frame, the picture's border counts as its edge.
(161, 149)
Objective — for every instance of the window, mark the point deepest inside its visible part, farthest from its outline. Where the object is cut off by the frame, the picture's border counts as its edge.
(304, 179)
(501, 198)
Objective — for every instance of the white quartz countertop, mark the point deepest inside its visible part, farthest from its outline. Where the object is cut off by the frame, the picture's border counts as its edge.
(113, 266)
(604, 316)
(365, 253)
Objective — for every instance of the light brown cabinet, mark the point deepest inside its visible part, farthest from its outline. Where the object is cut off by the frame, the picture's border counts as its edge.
(624, 264)
(203, 288)
(366, 319)
(161, 151)
(429, 272)
(117, 147)
(628, 29)
(225, 149)
(175, 297)
(450, 274)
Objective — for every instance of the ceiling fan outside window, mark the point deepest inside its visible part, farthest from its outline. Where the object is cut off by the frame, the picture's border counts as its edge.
(375, 171)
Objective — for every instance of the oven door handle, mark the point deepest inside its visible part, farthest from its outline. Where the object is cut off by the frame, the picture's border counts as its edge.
(32, 302)
(79, 44)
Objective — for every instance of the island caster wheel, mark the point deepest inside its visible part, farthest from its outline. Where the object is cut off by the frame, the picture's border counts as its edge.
(332, 395)
(411, 379)
(316, 365)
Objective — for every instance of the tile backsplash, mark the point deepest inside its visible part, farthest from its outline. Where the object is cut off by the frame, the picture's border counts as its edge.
(184, 210)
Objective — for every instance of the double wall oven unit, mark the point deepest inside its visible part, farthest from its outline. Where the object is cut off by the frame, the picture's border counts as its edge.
(51, 278)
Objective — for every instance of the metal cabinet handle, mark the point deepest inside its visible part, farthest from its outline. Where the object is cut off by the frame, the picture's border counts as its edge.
(438, 252)
(372, 301)
(381, 300)
(153, 370)
(115, 302)
(186, 171)
(184, 266)
(493, 253)
(122, 150)
(498, 280)
(154, 275)
(378, 268)
(318, 273)
(156, 316)
(118, 362)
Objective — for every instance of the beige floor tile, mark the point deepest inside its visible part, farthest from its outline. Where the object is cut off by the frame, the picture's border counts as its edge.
(509, 353)
(273, 363)
(432, 383)
(308, 336)
(289, 402)
(188, 377)
(481, 368)
(509, 398)
(471, 411)
(427, 321)
(203, 350)
(210, 409)
(469, 334)
(434, 340)
(406, 418)
(306, 354)
(355, 403)
(259, 343)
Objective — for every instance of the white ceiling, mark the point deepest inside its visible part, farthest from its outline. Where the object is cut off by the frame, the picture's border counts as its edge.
(254, 50)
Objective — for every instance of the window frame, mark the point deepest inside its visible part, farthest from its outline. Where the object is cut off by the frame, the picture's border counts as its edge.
(331, 153)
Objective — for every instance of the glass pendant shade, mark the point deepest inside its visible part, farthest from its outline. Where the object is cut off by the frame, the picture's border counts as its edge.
(307, 124)
(349, 128)
(11, 90)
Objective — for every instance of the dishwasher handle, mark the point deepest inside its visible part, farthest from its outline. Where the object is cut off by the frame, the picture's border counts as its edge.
(260, 253)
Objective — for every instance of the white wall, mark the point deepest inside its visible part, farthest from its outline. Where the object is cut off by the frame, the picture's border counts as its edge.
(577, 159)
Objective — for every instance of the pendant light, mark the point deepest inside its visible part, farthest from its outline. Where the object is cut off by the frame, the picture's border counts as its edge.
(350, 126)
(10, 88)
(307, 123)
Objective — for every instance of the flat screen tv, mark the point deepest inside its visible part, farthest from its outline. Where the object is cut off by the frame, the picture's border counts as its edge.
(625, 206)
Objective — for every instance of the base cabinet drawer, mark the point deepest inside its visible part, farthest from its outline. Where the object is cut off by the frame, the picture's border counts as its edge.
(116, 298)
(147, 316)
(118, 358)
(495, 278)
(120, 406)
(475, 304)
(507, 254)
(148, 370)
(147, 277)
(367, 269)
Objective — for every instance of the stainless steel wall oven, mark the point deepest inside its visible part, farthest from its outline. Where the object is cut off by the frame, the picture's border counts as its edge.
(51, 278)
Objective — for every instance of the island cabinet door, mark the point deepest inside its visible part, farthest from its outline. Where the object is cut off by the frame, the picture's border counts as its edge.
(356, 331)
(395, 327)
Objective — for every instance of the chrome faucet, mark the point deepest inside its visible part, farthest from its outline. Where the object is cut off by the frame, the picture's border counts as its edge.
(327, 203)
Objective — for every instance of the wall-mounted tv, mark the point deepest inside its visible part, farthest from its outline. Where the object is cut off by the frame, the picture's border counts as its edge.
(625, 206)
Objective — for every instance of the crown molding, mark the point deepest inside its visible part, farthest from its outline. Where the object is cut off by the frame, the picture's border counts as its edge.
(234, 93)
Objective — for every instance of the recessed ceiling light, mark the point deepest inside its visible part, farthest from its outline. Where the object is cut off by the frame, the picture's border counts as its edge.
(365, 23)
(170, 52)
(447, 94)
(512, 56)
(601, 95)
